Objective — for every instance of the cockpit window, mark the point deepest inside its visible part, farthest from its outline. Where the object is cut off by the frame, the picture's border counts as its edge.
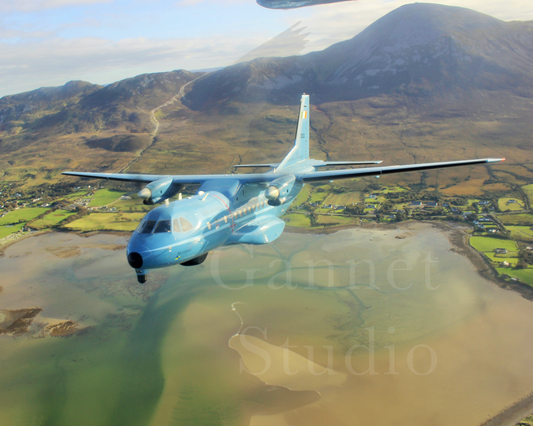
(185, 224)
(140, 227)
(176, 225)
(162, 226)
(149, 227)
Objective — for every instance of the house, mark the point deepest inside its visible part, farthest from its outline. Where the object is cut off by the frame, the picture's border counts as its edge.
(454, 210)
(493, 230)
(500, 251)
(445, 205)
(511, 201)
(504, 263)
(416, 203)
(372, 196)
(484, 203)
(432, 204)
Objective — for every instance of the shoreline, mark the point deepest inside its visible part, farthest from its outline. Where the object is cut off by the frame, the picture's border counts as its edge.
(458, 238)
(455, 234)
(453, 231)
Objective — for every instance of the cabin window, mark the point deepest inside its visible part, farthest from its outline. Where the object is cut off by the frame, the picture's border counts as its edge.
(185, 225)
(225, 219)
(162, 226)
(208, 225)
(176, 225)
(149, 227)
(140, 227)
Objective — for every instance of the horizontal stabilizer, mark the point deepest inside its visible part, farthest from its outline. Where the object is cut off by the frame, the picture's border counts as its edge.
(273, 165)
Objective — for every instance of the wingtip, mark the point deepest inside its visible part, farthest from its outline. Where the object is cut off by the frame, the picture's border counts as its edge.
(495, 160)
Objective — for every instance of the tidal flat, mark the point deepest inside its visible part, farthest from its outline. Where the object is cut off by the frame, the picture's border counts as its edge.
(357, 327)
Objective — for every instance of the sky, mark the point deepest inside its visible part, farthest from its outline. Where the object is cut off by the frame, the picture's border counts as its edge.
(51, 42)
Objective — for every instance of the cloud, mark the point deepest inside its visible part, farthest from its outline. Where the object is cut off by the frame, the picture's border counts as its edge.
(55, 61)
(37, 5)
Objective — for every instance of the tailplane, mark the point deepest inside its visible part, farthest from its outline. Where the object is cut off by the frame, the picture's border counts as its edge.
(300, 151)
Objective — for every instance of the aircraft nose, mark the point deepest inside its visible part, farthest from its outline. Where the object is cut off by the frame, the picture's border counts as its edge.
(135, 260)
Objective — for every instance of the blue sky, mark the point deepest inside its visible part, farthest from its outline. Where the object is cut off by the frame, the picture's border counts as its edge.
(50, 42)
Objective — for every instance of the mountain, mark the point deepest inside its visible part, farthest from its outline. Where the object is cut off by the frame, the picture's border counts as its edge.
(424, 83)
(22, 110)
(422, 50)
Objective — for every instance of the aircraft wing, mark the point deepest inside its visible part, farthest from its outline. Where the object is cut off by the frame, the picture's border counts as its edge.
(177, 179)
(378, 171)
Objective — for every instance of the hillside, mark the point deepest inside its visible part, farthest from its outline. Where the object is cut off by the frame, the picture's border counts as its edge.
(424, 83)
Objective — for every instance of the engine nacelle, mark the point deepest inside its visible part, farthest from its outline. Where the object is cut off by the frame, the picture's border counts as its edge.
(276, 193)
(159, 190)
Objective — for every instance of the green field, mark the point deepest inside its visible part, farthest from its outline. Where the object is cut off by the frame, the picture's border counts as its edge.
(488, 244)
(78, 194)
(318, 197)
(302, 196)
(51, 219)
(103, 197)
(7, 230)
(393, 189)
(510, 257)
(297, 220)
(523, 275)
(133, 203)
(344, 199)
(335, 220)
(528, 189)
(107, 221)
(22, 214)
(516, 219)
(523, 233)
(504, 204)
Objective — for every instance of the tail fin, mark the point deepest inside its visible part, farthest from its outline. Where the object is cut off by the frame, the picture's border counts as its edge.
(300, 151)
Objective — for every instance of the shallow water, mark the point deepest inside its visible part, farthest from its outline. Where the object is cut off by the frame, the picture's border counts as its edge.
(161, 354)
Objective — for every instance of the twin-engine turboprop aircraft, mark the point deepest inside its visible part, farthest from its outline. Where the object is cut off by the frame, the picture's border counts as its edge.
(234, 208)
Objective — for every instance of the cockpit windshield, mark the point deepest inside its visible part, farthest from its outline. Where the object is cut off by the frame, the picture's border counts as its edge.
(162, 226)
(149, 226)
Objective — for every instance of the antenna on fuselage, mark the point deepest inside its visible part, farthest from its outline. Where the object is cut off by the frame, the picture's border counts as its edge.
(167, 203)
(179, 196)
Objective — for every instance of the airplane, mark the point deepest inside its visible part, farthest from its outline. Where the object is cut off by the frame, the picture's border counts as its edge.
(233, 208)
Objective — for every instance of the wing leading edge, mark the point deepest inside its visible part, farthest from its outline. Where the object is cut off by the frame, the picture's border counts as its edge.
(378, 171)
(177, 179)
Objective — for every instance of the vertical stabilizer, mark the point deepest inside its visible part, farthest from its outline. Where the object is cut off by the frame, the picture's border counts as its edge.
(300, 151)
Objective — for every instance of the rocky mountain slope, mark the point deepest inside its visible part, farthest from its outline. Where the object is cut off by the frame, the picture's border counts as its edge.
(420, 50)
(424, 83)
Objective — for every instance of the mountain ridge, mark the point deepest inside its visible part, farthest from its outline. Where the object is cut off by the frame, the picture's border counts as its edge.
(424, 83)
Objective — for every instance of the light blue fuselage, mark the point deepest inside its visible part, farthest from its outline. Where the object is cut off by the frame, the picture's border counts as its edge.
(187, 229)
